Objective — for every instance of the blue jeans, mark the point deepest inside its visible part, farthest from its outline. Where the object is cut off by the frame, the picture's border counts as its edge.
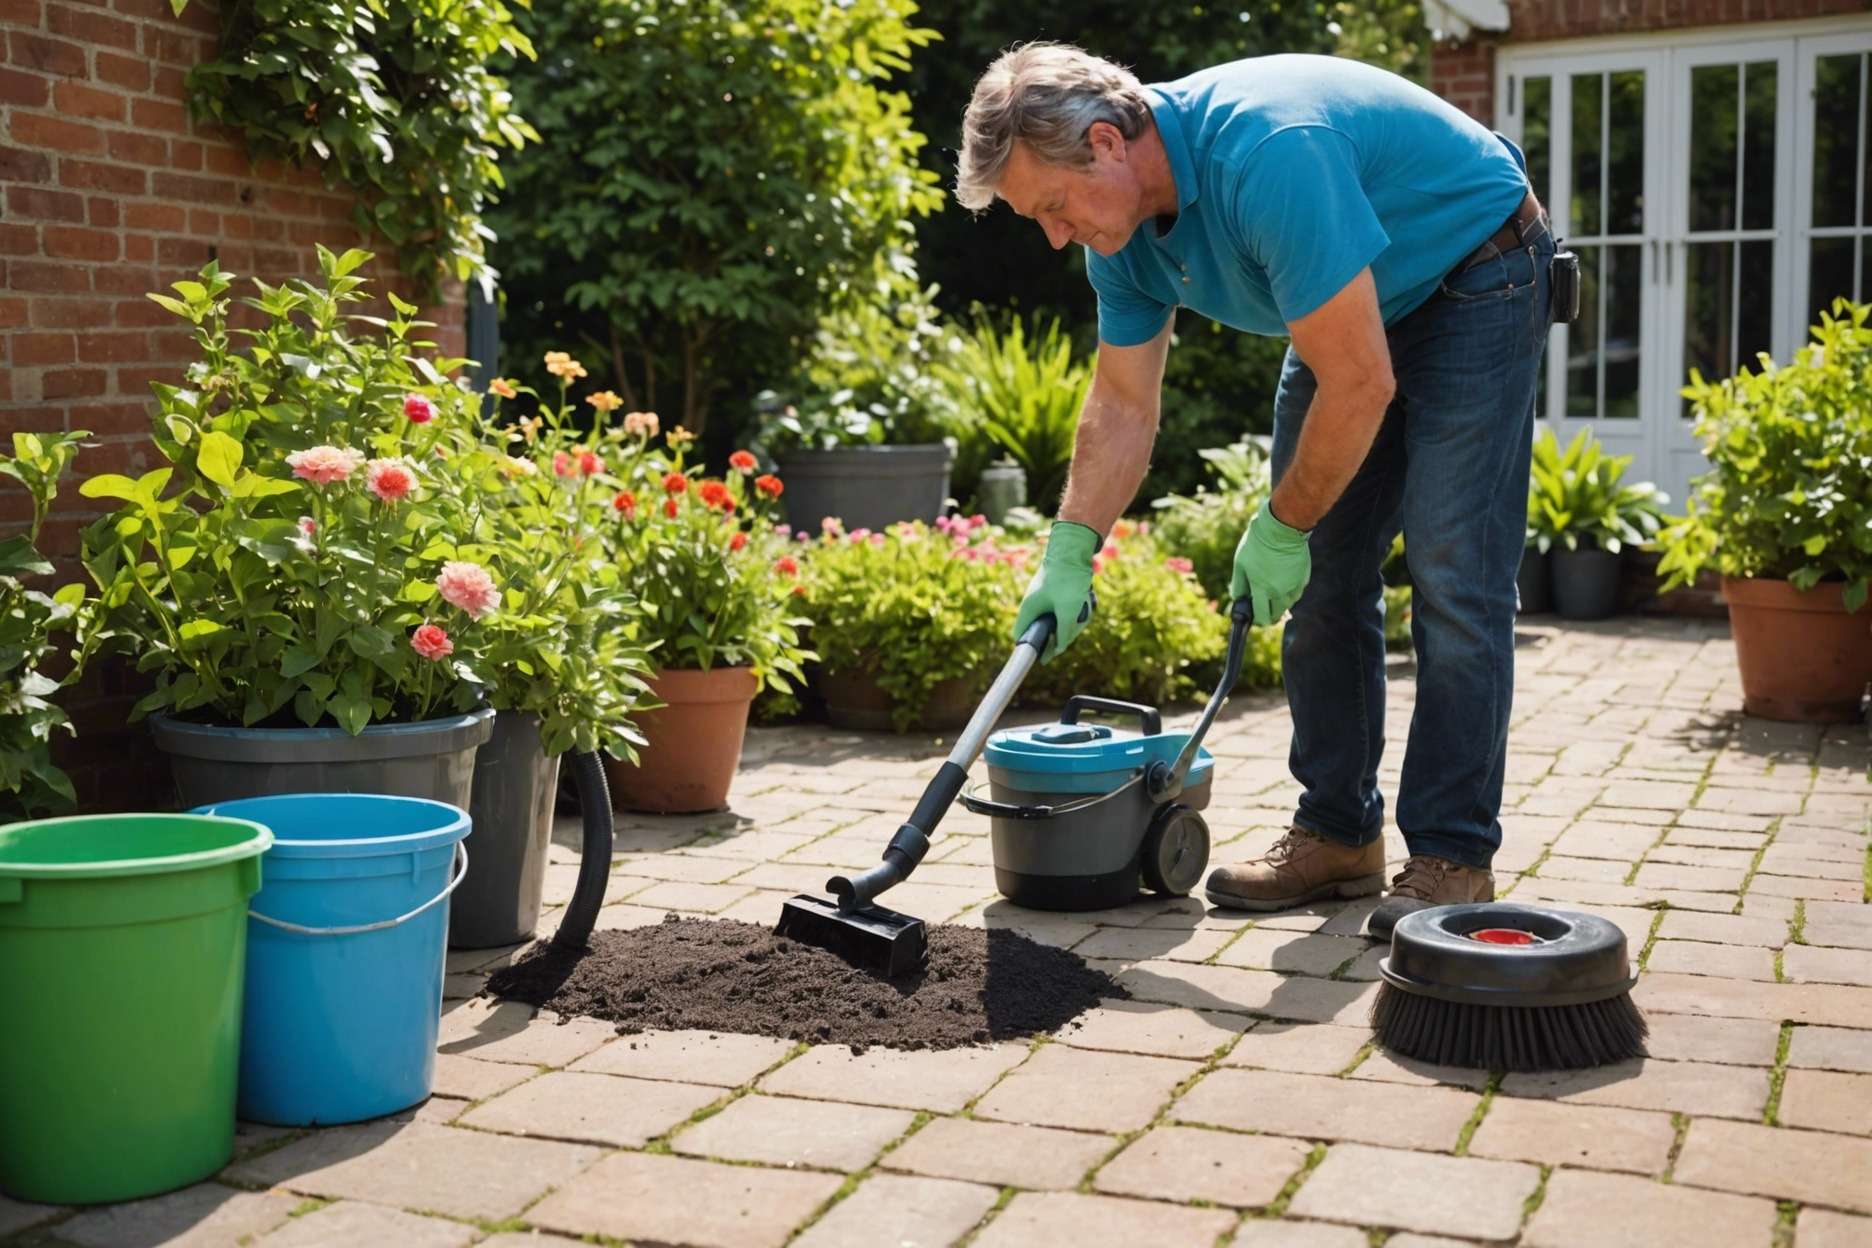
(1450, 468)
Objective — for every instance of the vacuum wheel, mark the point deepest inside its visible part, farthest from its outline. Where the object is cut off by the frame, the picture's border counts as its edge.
(1176, 851)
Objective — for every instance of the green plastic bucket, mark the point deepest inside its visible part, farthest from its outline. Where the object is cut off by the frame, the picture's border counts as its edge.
(123, 942)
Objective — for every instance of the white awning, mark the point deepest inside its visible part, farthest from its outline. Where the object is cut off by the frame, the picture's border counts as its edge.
(1455, 20)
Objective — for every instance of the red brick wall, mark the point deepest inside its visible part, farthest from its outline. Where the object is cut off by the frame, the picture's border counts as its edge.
(1464, 73)
(110, 192)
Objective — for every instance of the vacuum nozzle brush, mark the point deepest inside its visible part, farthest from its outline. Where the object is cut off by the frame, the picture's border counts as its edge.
(872, 936)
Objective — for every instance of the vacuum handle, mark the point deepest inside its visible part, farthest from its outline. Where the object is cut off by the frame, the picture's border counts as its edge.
(1165, 782)
(911, 841)
(1151, 718)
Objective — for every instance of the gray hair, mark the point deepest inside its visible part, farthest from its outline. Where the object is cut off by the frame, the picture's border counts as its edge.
(1046, 95)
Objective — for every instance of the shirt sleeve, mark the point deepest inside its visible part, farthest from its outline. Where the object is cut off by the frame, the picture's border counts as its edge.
(1127, 317)
(1304, 216)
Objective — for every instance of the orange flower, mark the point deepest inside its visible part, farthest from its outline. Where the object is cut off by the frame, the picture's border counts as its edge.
(786, 565)
(737, 541)
(769, 485)
(669, 508)
(605, 401)
(562, 365)
(675, 483)
(504, 388)
(625, 502)
(714, 494)
(743, 461)
(589, 463)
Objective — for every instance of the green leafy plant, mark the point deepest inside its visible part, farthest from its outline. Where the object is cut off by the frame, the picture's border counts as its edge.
(29, 782)
(1023, 393)
(731, 171)
(1156, 636)
(704, 557)
(1578, 497)
(564, 650)
(1790, 451)
(1206, 526)
(914, 607)
(309, 553)
(393, 97)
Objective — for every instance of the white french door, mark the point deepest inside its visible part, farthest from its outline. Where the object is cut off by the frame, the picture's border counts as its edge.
(1718, 193)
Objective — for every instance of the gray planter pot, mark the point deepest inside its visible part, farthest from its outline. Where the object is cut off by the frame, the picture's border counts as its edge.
(1003, 488)
(1585, 584)
(434, 759)
(866, 487)
(1532, 583)
(515, 784)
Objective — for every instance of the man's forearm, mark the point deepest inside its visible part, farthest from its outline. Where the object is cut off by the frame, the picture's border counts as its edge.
(1334, 441)
(1111, 454)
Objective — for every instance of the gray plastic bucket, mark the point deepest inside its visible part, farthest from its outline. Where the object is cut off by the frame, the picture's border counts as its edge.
(866, 487)
(433, 759)
(515, 785)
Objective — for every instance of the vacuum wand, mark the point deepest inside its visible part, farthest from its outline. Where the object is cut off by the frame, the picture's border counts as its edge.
(1164, 781)
(911, 841)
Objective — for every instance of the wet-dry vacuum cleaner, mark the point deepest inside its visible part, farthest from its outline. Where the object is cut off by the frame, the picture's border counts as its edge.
(1082, 816)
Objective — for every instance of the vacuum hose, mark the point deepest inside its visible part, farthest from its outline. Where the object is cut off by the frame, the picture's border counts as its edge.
(594, 799)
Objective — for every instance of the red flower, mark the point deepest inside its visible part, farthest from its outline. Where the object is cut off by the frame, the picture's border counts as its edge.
(562, 464)
(743, 461)
(714, 494)
(737, 541)
(769, 485)
(419, 409)
(625, 502)
(669, 508)
(675, 483)
(589, 463)
(786, 565)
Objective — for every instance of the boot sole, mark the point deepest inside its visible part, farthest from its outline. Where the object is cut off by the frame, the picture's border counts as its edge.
(1358, 886)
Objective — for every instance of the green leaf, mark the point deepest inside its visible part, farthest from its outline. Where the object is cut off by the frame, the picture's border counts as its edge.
(18, 558)
(109, 485)
(195, 630)
(297, 661)
(219, 458)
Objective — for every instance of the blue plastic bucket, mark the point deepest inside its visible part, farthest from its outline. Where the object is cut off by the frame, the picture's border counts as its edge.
(346, 942)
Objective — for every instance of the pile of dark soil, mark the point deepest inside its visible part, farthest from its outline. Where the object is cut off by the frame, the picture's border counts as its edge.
(721, 975)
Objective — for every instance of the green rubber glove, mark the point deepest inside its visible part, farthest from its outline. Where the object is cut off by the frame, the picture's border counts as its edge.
(1272, 566)
(1062, 586)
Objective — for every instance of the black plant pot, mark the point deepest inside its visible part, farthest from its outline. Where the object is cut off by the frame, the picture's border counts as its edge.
(866, 487)
(1585, 584)
(1531, 582)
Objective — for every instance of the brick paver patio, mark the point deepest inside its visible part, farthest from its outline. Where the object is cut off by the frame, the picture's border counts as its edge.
(1236, 1099)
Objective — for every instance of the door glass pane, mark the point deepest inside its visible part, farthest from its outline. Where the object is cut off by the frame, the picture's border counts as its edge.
(1582, 379)
(1588, 113)
(1758, 143)
(1754, 331)
(1625, 161)
(1708, 308)
(1713, 146)
(1829, 276)
(1537, 132)
(1864, 293)
(1623, 276)
(1837, 119)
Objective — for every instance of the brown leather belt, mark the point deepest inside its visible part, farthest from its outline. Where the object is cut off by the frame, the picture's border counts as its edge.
(1506, 239)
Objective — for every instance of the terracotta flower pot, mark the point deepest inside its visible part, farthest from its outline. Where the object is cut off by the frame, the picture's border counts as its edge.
(695, 743)
(855, 700)
(1803, 656)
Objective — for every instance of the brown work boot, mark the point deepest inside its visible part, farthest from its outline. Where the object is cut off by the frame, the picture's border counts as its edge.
(1302, 866)
(1426, 882)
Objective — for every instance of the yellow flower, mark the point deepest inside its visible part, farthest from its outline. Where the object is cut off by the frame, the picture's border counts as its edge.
(514, 468)
(680, 436)
(562, 365)
(503, 387)
(605, 401)
(530, 427)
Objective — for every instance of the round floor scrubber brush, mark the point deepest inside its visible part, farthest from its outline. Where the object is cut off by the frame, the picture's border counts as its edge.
(1497, 986)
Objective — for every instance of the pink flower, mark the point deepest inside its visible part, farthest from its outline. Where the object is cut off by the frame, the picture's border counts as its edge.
(589, 463)
(389, 479)
(877, 539)
(562, 464)
(431, 642)
(307, 525)
(419, 409)
(640, 424)
(859, 535)
(802, 536)
(1176, 563)
(977, 520)
(322, 465)
(784, 531)
(1110, 551)
(468, 586)
(830, 524)
(1098, 564)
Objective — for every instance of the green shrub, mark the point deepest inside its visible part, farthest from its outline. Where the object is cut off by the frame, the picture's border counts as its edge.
(1205, 527)
(915, 606)
(1578, 499)
(1790, 451)
(722, 174)
(1021, 394)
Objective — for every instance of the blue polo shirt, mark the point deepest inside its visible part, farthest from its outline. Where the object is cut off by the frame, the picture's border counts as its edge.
(1292, 174)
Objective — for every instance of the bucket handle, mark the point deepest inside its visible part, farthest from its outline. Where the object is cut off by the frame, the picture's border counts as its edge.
(461, 857)
(1008, 810)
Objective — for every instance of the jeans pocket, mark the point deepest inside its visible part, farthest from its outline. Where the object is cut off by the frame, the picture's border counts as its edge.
(1502, 277)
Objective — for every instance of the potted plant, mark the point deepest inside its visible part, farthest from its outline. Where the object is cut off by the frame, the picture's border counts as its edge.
(563, 672)
(869, 443)
(1023, 394)
(1585, 513)
(716, 590)
(30, 784)
(299, 580)
(1785, 516)
(910, 624)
